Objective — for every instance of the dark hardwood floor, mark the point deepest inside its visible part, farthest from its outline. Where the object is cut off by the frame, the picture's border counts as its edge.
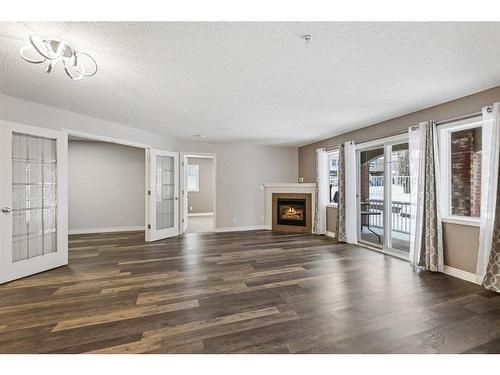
(244, 292)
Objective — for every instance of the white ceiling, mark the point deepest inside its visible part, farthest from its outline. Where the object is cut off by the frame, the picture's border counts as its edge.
(256, 82)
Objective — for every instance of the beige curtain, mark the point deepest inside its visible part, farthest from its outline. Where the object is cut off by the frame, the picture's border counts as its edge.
(340, 230)
(492, 279)
(431, 251)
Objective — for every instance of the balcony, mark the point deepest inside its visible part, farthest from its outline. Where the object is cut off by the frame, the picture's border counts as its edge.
(372, 229)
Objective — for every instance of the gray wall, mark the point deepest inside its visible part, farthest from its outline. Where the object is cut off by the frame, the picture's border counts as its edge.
(106, 185)
(460, 241)
(241, 168)
(202, 201)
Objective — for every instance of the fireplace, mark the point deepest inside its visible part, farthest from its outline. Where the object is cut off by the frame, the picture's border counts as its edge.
(291, 212)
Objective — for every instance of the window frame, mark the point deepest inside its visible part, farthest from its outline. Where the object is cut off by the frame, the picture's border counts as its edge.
(197, 189)
(329, 153)
(444, 138)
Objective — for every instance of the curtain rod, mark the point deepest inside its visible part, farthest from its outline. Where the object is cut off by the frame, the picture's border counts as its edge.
(442, 122)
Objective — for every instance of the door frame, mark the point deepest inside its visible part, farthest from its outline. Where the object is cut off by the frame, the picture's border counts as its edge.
(14, 270)
(183, 186)
(386, 144)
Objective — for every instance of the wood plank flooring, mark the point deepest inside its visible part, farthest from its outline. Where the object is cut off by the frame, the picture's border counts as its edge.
(242, 292)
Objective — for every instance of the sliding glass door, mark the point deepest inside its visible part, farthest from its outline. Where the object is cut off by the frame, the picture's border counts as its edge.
(383, 194)
(399, 196)
(371, 196)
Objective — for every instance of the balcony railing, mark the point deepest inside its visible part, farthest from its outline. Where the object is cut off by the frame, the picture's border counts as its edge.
(400, 212)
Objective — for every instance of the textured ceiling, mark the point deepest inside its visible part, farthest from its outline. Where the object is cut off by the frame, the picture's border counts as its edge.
(256, 82)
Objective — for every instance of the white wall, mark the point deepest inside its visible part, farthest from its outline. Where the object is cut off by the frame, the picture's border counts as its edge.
(106, 185)
(241, 168)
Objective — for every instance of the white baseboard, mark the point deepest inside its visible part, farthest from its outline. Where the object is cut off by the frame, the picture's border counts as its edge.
(464, 275)
(202, 214)
(106, 230)
(330, 234)
(239, 229)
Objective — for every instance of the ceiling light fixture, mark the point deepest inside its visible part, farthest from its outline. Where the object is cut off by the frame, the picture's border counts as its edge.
(54, 50)
(306, 38)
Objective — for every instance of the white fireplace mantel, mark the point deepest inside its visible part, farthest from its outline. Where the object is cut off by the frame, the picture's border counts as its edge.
(294, 185)
(285, 187)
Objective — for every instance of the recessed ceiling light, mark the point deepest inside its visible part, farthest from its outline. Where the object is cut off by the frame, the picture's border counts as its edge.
(306, 38)
(55, 50)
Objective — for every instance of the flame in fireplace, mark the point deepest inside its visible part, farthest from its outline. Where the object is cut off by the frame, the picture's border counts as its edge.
(292, 213)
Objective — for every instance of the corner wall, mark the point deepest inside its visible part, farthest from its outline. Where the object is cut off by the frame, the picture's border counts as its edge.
(106, 186)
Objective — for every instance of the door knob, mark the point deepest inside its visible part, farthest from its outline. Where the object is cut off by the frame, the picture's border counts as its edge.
(6, 210)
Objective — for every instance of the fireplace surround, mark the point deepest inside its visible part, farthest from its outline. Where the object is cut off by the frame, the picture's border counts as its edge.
(292, 212)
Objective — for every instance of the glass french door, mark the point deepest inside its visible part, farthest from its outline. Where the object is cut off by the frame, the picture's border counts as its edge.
(163, 195)
(33, 200)
(399, 168)
(384, 195)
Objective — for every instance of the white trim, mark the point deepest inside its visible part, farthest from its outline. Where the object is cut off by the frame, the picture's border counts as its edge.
(107, 229)
(461, 274)
(101, 138)
(379, 143)
(183, 161)
(201, 214)
(239, 229)
(332, 205)
(472, 222)
(443, 140)
(200, 155)
(289, 185)
(465, 124)
(330, 234)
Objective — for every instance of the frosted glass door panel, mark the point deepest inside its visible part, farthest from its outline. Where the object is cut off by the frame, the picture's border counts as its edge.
(34, 196)
(165, 205)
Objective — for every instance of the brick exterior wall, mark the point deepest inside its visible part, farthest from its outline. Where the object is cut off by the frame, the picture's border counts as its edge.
(465, 173)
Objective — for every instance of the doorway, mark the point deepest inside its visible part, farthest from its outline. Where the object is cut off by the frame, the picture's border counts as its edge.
(198, 192)
(160, 187)
(383, 195)
(106, 187)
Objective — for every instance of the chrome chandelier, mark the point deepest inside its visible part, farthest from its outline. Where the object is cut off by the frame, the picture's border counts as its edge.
(54, 51)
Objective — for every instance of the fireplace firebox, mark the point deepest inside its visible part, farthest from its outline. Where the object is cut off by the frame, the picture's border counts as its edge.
(291, 211)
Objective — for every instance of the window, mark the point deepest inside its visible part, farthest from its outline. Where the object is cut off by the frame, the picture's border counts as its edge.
(460, 145)
(193, 178)
(333, 157)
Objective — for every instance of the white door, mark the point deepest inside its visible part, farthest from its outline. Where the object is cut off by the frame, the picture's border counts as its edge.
(163, 195)
(33, 200)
